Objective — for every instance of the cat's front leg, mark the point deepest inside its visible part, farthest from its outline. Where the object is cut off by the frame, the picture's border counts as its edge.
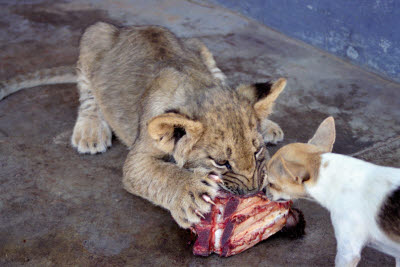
(351, 237)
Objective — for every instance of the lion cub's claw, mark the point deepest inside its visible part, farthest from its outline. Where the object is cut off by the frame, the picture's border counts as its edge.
(91, 136)
(199, 213)
(195, 200)
(208, 199)
(216, 178)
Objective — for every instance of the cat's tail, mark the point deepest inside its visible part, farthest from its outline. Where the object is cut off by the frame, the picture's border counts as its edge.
(56, 75)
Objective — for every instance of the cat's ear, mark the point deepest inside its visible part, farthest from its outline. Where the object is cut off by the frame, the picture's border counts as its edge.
(325, 135)
(167, 129)
(262, 95)
(296, 171)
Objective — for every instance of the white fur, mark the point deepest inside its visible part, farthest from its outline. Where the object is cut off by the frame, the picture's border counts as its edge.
(354, 191)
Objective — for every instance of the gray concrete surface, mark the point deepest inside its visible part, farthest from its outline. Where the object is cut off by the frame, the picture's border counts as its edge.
(361, 32)
(59, 208)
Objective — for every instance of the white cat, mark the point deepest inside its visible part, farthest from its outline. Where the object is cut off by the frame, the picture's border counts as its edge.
(363, 198)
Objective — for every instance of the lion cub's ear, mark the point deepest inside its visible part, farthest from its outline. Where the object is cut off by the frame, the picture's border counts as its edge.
(325, 135)
(168, 128)
(263, 95)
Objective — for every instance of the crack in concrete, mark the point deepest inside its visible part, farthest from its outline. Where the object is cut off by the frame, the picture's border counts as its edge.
(208, 5)
(380, 148)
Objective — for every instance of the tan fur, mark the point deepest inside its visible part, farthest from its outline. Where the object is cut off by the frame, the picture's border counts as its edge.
(166, 99)
(264, 107)
(325, 135)
(271, 131)
(291, 167)
(296, 165)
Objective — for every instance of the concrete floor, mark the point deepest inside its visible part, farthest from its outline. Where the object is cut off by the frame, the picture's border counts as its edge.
(59, 208)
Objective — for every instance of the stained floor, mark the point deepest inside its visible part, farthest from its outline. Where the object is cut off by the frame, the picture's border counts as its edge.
(59, 208)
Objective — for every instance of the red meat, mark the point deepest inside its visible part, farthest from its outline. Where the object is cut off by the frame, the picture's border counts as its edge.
(237, 223)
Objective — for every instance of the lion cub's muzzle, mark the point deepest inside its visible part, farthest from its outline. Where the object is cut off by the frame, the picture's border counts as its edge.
(242, 185)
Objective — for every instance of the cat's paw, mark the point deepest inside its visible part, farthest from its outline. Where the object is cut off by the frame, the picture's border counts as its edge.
(272, 132)
(195, 199)
(91, 135)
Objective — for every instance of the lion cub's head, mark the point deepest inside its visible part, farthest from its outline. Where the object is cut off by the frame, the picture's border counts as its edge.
(223, 135)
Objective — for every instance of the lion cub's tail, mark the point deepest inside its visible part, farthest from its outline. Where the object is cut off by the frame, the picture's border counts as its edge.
(56, 75)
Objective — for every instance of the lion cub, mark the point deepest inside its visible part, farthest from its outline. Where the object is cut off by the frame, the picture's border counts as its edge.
(188, 132)
(363, 198)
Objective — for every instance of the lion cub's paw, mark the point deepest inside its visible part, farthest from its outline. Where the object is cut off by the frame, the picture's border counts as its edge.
(91, 135)
(195, 199)
(271, 132)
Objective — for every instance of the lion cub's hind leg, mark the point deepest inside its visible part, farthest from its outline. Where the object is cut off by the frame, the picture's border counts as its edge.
(91, 132)
(207, 57)
(209, 60)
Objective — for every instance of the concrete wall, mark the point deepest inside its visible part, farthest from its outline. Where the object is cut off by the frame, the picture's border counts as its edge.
(366, 32)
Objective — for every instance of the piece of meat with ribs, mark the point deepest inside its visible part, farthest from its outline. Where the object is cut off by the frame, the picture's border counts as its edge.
(237, 223)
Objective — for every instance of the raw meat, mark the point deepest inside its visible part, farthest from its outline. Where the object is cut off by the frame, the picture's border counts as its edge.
(237, 223)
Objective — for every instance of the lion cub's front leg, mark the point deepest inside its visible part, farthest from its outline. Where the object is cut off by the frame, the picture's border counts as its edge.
(91, 132)
(186, 194)
(271, 132)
